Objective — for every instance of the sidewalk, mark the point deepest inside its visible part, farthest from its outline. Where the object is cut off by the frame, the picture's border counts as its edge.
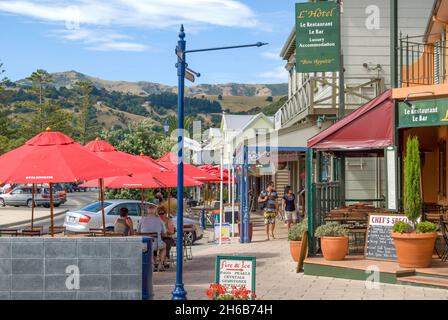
(276, 277)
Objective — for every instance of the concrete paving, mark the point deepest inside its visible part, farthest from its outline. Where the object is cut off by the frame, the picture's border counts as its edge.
(276, 277)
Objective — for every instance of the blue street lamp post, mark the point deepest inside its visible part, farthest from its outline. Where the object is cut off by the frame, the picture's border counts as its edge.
(179, 292)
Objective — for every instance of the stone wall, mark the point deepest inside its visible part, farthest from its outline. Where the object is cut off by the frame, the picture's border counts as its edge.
(47, 268)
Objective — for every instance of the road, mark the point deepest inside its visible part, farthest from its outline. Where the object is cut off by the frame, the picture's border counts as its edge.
(18, 217)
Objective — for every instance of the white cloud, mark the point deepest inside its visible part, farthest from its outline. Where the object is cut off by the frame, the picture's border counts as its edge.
(101, 40)
(85, 20)
(278, 74)
(271, 54)
(136, 13)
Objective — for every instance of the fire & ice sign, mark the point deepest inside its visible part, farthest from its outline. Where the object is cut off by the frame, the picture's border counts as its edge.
(236, 271)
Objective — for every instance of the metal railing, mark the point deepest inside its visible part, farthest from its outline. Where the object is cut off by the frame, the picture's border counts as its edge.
(319, 95)
(421, 63)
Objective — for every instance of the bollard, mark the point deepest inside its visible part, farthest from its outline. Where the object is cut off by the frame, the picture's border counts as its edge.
(203, 219)
(147, 269)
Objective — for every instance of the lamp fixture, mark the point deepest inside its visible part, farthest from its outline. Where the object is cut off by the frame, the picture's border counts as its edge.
(410, 104)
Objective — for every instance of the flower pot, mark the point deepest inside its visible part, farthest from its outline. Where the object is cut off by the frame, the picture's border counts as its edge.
(250, 230)
(414, 250)
(295, 247)
(334, 248)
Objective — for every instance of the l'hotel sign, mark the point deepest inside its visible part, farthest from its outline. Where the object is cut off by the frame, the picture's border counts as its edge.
(423, 113)
(318, 47)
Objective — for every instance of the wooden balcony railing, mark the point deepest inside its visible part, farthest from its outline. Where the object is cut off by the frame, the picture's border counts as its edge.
(320, 96)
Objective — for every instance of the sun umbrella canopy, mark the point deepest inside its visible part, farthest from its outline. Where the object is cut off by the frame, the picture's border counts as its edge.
(169, 161)
(53, 157)
(143, 181)
(131, 163)
(215, 171)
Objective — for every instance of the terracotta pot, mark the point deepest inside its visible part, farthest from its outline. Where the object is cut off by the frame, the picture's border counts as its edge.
(334, 248)
(414, 250)
(295, 247)
(250, 230)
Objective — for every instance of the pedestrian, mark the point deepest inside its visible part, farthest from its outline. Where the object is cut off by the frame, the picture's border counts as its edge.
(123, 225)
(269, 198)
(170, 231)
(151, 223)
(289, 206)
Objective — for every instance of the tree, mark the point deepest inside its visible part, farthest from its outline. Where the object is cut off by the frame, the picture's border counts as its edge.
(138, 138)
(39, 79)
(86, 122)
(220, 97)
(412, 201)
(269, 99)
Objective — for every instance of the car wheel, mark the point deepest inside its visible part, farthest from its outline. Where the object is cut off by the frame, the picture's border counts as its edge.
(2, 202)
(57, 205)
(190, 237)
(29, 203)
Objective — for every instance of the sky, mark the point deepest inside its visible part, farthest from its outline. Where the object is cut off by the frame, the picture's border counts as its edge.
(134, 40)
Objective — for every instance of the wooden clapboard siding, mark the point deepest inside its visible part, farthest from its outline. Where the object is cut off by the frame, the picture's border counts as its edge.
(364, 182)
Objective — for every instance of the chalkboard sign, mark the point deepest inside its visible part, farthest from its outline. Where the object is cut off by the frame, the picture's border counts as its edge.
(379, 244)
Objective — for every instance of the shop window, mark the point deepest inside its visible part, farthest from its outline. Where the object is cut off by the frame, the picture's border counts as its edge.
(442, 168)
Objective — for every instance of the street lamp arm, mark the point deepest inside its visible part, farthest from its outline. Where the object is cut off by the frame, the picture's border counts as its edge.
(258, 44)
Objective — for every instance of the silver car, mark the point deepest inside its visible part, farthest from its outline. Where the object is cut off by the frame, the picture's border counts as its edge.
(90, 217)
(22, 196)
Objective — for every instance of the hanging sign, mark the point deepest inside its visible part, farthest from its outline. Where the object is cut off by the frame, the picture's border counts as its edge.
(318, 47)
(225, 230)
(423, 113)
(236, 271)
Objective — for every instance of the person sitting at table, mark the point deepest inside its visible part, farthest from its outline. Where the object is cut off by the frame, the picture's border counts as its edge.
(123, 224)
(151, 223)
(170, 230)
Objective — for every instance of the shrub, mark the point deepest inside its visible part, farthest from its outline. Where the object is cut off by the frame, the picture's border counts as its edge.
(402, 227)
(412, 200)
(426, 227)
(331, 229)
(296, 232)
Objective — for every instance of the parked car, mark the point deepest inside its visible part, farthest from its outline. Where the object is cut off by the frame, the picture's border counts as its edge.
(90, 217)
(22, 196)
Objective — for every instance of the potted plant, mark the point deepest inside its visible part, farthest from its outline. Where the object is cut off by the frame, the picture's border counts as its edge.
(414, 241)
(295, 235)
(333, 240)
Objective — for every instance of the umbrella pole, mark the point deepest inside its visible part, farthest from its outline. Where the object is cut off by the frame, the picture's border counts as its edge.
(51, 210)
(143, 202)
(102, 205)
(33, 190)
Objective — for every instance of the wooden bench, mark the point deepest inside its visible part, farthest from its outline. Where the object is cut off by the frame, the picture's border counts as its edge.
(9, 232)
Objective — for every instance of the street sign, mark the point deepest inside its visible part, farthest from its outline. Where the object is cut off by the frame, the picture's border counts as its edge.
(318, 44)
(423, 113)
(236, 271)
(189, 76)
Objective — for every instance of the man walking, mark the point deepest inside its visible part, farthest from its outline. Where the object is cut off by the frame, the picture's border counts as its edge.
(269, 198)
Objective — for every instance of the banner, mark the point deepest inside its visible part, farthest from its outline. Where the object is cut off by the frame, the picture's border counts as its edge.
(318, 47)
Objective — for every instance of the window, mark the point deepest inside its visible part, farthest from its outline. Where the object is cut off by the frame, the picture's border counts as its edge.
(442, 168)
(95, 207)
(133, 209)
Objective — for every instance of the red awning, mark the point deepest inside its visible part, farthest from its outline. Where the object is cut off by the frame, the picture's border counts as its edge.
(368, 127)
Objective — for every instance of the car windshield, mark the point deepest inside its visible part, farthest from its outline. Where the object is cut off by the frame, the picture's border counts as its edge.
(95, 207)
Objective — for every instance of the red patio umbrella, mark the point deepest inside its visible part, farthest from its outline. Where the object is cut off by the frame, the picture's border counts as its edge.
(144, 181)
(52, 157)
(132, 163)
(169, 161)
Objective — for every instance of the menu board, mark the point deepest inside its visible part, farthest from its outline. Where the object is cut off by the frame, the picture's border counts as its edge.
(236, 271)
(379, 244)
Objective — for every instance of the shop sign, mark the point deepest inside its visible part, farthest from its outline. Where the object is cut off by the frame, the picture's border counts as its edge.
(236, 271)
(318, 47)
(223, 229)
(423, 113)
